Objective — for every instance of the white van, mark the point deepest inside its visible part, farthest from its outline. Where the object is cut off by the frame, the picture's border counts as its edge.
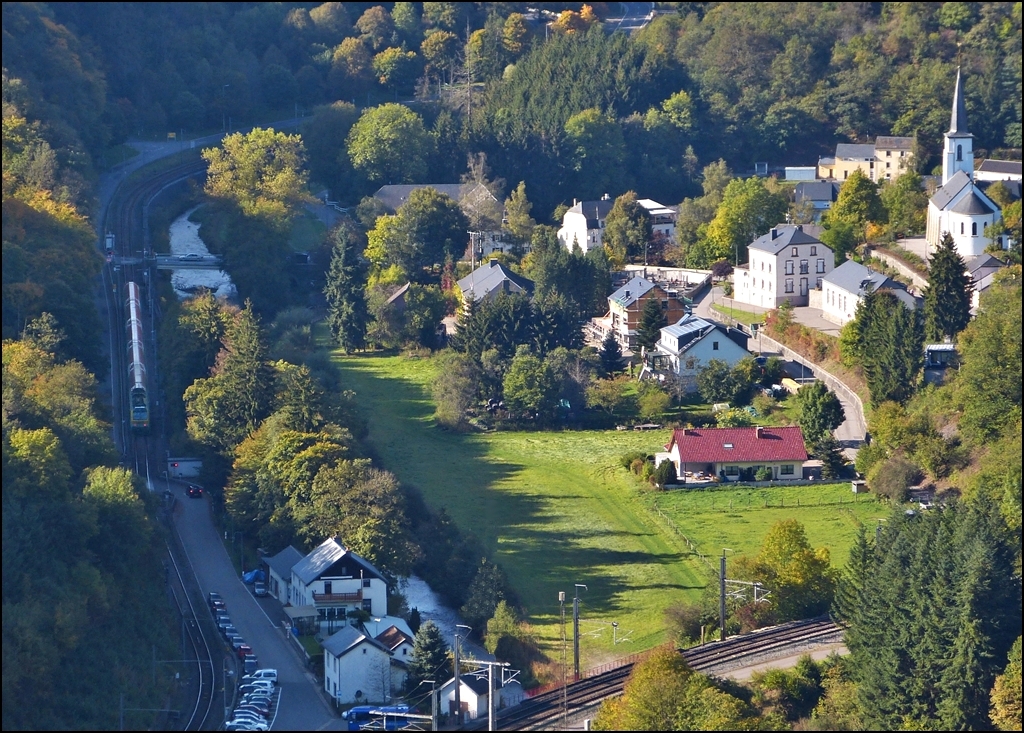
(261, 674)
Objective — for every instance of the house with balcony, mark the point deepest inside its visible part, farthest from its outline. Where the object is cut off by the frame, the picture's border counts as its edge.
(333, 581)
(784, 264)
(627, 303)
(736, 454)
(687, 346)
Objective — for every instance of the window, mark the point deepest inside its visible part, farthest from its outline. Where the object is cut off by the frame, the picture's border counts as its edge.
(786, 469)
(888, 165)
(821, 264)
(974, 229)
(804, 267)
(959, 154)
(845, 174)
(789, 285)
(961, 227)
(714, 346)
(817, 284)
(814, 251)
(762, 267)
(871, 165)
(769, 268)
(795, 252)
(664, 305)
(732, 470)
(789, 267)
(888, 154)
(367, 605)
(366, 582)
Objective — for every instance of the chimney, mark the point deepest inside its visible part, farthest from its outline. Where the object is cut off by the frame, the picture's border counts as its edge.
(494, 263)
(775, 233)
(606, 197)
(627, 295)
(574, 202)
(799, 227)
(758, 431)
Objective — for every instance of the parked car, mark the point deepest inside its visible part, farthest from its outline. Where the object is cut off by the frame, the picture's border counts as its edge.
(213, 596)
(218, 606)
(228, 630)
(195, 492)
(223, 621)
(245, 724)
(241, 714)
(258, 697)
(237, 642)
(267, 685)
(257, 706)
(250, 664)
(259, 588)
(253, 687)
(242, 649)
(263, 674)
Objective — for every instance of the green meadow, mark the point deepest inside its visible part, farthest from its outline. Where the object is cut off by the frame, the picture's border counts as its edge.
(556, 509)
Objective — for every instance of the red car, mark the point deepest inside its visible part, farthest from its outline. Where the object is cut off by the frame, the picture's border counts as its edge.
(195, 492)
(242, 650)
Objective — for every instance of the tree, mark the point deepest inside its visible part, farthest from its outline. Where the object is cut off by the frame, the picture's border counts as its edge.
(376, 26)
(890, 343)
(518, 224)
(396, 68)
(947, 299)
(262, 171)
(905, 203)
(627, 231)
(441, 51)
(652, 320)
(529, 385)
(389, 144)
(821, 412)
(1006, 693)
(597, 150)
(841, 238)
(858, 203)
(429, 656)
(324, 135)
(748, 210)
(345, 293)
(487, 590)
(455, 388)
(716, 382)
(611, 354)
(435, 226)
(829, 451)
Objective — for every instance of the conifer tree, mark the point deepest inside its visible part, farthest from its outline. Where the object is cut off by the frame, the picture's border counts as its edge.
(891, 343)
(429, 656)
(611, 354)
(652, 320)
(346, 298)
(947, 299)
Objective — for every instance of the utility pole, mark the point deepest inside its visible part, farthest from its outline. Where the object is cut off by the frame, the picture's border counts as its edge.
(576, 632)
(490, 697)
(458, 674)
(565, 688)
(433, 705)
(721, 596)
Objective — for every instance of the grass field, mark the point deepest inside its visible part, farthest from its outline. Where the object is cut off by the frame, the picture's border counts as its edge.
(738, 314)
(738, 518)
(307, 233)
(555, 509)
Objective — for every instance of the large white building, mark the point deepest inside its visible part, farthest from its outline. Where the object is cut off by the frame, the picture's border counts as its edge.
(959, 206)
(583, 224)
(846, 286)
(784, 264)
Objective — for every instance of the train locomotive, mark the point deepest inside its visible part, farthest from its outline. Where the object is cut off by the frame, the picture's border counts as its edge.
(138, 396)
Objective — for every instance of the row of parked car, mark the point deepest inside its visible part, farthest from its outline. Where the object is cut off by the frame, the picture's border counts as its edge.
(257, 686)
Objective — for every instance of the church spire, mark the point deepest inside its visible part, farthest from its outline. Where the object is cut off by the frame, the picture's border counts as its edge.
(958, 120)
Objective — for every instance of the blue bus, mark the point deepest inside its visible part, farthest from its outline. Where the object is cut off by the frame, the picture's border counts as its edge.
(375, 717)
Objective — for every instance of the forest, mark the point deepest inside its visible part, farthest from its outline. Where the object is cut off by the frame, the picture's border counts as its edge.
(542, 114)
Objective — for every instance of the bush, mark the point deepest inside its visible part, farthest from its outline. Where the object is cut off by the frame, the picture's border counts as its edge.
(727, 290)
(626, 461)
(763, 474)
(665, 473)
(893, 478)
(764, 404)
(868, 456)
(637, 466)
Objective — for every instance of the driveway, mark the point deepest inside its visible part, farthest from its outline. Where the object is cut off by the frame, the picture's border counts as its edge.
(302, 705)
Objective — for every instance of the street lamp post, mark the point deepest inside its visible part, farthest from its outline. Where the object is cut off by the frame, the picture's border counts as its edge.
(458, 675)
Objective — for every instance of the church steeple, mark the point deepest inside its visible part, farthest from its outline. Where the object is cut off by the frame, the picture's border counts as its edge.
(958, 154)
(958, 120)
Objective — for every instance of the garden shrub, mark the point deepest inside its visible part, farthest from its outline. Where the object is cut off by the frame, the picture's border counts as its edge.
(763, 474)
(893, 478)
(627, 459)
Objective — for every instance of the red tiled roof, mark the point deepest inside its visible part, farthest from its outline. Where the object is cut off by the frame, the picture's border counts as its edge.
(708, 445)
(393, 637)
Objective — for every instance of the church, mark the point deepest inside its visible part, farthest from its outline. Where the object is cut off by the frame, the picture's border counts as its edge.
(959, 206)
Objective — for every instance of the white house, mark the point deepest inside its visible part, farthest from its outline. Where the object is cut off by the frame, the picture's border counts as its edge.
(399, 640)
(691, 343)
(784, 264)
(492, 278)
(279, 575)
(583, 224)
(998, 170)
(819, 195)
(982, 270)
(357, 667)
(844, 287)
(959, 206)
(473, 695)
(736, 454)
(334, 580)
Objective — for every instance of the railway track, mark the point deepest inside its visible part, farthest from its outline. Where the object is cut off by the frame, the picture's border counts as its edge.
(547, 710)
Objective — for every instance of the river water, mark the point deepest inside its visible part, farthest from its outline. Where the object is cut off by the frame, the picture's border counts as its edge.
(419, 596)
(184, 236)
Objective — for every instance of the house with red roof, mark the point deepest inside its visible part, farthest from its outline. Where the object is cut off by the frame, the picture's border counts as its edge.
(737, 453)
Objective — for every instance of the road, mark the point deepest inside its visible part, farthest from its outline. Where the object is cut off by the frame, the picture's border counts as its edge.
(301, 706)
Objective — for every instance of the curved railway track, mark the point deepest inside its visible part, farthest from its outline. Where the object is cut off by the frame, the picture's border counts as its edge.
(206, 674)
(547, 710)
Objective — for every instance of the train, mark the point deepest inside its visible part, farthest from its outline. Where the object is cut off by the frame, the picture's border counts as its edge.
(138, 395)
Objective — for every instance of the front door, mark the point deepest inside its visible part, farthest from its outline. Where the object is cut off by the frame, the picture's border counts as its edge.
(803, 287)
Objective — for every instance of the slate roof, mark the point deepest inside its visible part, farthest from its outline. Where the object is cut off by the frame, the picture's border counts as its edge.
(1007, 167)
(785, 235)
(958, 118)
(972, 203)
(313, 565)
(350, 637)
(631, 292)
(817, 191)
(894, 143)
(594, 211)
(493, 276)
(854, 277)
(283, 562)
(948, 191)
(393, 196)
(984, 261)
(855, 151)
(743, 445)
(691, 329)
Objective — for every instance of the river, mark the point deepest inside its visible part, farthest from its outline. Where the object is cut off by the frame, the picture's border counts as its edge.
(185, 239)
(419, 596)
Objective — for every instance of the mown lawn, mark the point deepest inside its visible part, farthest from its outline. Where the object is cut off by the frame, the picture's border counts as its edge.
(738, 518)
(554, 508)
(739, 314)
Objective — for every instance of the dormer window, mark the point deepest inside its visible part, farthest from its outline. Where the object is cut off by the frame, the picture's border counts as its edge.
(728, 445)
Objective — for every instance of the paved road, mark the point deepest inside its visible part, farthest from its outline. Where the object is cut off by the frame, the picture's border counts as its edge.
(302, 706)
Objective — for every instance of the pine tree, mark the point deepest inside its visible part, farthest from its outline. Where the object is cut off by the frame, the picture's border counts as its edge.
(611, 354)
(429, 656)
(947, 299)
(652, 320)
(891, 347)
(346, 298)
